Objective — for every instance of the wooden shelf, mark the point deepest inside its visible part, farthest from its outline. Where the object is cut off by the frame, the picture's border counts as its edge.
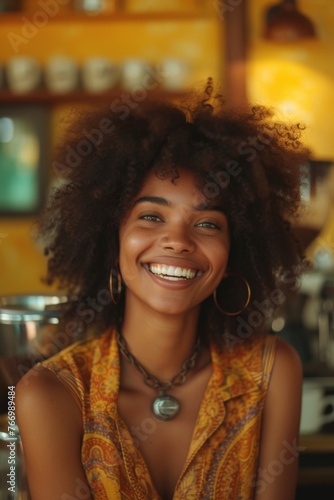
(78, 17)
(45, 97)
(317, 443)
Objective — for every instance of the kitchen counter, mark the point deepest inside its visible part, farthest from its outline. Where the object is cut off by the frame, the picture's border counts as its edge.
(316, 466)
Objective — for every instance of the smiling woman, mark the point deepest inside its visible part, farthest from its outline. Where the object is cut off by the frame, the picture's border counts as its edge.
(169, 208)
(169, 244)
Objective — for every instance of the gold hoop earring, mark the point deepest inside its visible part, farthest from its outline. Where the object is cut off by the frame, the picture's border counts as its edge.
(230, 292)
(115, 290)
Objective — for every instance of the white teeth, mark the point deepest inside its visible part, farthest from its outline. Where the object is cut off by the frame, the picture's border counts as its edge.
(172, 273)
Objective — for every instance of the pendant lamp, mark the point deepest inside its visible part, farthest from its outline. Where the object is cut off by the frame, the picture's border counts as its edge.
(285, 23)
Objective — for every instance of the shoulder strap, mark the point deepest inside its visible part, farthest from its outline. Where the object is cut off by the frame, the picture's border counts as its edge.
(66, 372)
(268, 358)
(72, 384)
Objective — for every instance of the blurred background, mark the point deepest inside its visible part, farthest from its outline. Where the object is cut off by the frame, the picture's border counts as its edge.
(58, 55)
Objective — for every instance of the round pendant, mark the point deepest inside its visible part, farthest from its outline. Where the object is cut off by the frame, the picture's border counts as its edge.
(165, 407)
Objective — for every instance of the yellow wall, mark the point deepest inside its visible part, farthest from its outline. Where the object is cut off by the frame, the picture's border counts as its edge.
(196, 40)
(21, 262)
(297, 78)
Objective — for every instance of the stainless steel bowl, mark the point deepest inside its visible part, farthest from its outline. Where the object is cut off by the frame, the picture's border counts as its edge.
(29, 322)
(30, 330)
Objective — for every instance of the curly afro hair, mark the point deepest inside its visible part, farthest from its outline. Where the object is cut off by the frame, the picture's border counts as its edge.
(244, 160)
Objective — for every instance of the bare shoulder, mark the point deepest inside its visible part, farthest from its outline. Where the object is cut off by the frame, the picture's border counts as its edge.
(36, 381)
(280, 427)
(287, 369)
(44, 406)
(286, 380)
(50, 425)
(40, 391)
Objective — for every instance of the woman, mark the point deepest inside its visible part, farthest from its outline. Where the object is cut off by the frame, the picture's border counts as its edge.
(186, 211)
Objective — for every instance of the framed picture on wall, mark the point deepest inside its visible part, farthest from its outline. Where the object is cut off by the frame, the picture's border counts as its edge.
(24, 152)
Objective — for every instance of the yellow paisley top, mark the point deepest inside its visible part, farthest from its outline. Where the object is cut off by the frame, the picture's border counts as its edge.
(223, 455)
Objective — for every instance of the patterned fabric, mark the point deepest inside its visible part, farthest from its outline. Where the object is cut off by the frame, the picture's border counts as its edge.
(223, 455)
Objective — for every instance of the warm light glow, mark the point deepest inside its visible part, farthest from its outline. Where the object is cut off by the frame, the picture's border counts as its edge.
(294, 80)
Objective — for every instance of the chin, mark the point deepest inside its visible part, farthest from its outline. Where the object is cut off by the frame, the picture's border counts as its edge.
(171, 309)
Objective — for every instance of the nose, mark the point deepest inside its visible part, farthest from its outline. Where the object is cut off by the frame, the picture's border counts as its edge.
(178, 239)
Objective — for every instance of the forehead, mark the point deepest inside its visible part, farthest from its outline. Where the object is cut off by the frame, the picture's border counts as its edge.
(183, 185)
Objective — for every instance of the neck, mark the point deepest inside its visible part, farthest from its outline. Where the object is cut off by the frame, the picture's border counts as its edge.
(160, 342)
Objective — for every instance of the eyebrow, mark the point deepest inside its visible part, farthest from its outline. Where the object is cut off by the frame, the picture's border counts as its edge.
(157, 200)
(154, 199)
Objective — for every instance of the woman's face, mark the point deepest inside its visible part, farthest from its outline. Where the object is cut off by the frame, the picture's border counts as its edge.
(173, 247)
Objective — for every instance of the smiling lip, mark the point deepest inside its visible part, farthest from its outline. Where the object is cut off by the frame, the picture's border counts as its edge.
(172, 273)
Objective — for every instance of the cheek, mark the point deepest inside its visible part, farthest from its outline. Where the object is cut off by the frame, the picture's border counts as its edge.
(127, 259)
(131, 248)
(219, 260)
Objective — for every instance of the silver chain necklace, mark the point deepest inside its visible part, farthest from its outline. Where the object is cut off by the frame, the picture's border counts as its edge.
(164, 406)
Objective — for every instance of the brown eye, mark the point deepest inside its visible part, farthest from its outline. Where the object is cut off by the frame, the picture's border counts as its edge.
(151, 218)
(208, 225)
